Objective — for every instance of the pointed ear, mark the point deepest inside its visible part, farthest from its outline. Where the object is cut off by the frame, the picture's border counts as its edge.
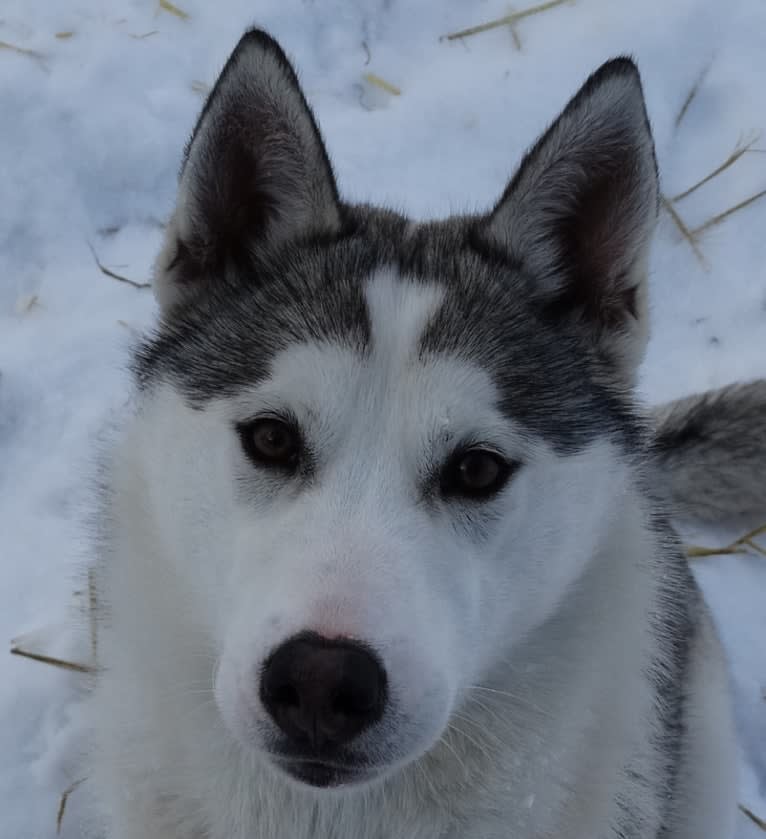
(580, 212)
(255, 175)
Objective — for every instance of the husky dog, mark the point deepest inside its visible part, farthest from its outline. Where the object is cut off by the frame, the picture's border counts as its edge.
(386, 545)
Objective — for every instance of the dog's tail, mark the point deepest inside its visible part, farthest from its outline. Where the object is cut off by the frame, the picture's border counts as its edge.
(712, 453)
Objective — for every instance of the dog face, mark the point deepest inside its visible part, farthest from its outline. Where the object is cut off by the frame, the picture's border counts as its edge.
(391, 444)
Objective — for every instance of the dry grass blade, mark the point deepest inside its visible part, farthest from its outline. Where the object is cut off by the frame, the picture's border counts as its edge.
(739, 546)
(63, 802)
(730, 161)
(690, 98)
(64, 36)
(27, 303)
(726, 213)
(506, 20)
(61, 663)
(377, 81)
(685, 232)
(753, 818)
(4, 45)
(144, 35)
(167, 6)
(36, 56)
(696, 552)
(113, 275)
(93, 613)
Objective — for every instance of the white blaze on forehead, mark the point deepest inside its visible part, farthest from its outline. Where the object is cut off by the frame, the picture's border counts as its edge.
(340, 393)
(434, 392)
(330, 378)
(399, 311)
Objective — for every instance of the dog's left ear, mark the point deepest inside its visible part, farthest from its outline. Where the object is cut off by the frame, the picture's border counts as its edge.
(580, 211)
(256, 176)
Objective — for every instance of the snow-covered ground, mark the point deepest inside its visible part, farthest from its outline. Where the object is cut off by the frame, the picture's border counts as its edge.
(97, 98)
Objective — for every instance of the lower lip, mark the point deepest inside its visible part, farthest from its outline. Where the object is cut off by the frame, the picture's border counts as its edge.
(320, 775)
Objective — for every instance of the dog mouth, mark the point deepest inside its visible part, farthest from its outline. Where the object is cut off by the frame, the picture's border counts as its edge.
(322, 775)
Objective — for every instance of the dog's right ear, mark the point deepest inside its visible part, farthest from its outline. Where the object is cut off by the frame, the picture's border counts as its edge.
(255, 176)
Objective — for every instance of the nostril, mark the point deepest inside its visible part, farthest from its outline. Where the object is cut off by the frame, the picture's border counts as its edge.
(286, 695)
(354, 699)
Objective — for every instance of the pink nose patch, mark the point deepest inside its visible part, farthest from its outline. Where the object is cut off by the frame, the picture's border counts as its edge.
(336, 618)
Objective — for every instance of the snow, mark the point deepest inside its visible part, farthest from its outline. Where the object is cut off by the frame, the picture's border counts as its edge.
(93, 126)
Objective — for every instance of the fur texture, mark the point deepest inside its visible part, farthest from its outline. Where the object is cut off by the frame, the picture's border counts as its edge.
(551, 668)
(711, 447)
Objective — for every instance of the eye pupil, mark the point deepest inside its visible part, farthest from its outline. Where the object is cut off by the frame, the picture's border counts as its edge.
(274, 440)
(475, 473)
(478, 470)
(271, 442)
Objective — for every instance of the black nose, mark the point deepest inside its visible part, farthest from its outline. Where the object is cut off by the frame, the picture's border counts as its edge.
(322, 693)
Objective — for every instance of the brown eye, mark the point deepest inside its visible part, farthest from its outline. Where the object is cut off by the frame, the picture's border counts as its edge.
(475, 473)
(271, 442)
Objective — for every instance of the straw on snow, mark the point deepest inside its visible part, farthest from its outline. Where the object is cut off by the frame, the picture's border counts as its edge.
(692, 235)
(507, 20)
(739, 150)
(109, 273)
(738, 546)
(167, 6)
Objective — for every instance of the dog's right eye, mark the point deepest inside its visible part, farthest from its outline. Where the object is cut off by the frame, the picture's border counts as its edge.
(270, 441)
(475, 473)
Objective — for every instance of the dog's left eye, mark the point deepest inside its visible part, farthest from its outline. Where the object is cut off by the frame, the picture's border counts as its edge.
(271, 441)
(475, 473)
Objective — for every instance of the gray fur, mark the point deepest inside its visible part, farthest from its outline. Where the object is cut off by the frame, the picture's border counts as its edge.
(580, 212)
(575, 397)
(711, 452)
(255, 174)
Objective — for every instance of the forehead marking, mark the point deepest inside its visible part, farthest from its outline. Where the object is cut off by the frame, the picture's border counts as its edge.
(399, 310)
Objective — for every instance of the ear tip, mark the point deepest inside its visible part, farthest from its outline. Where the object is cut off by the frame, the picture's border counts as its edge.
(617, 85)
(262, 41)
(620, 65)
(260, 38)
(621, 69)
(256, 46)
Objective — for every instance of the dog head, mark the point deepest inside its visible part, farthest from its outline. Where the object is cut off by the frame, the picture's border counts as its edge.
(392, 444)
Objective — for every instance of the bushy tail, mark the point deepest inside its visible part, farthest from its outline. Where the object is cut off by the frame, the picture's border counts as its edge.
(712, 452)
